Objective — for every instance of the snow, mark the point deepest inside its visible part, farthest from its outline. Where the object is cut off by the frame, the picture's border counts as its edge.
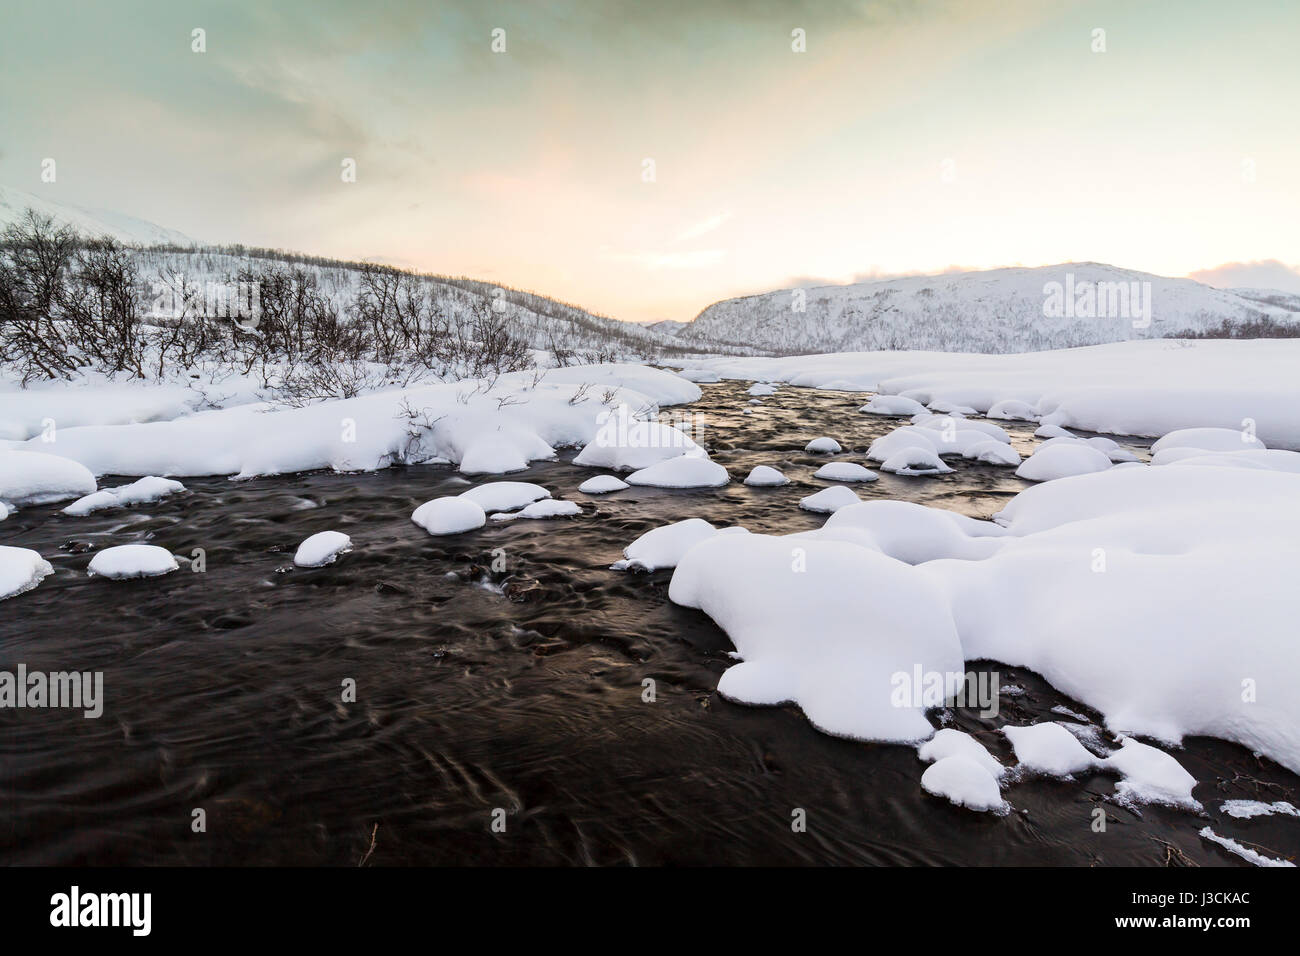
(823, 446)
(513, 419)
(943, 407)
(1062, 461)
(602, 485)
(1151, 776)
(765, 476)
(321, 549)
(829, 500)
(35, 478)
(954, 743)
(132, 561)
(492, 456)
(1144, 388)
(965, 782)
(138, 492)
(830, 638)
(1208, 439)
(1053, 431)
(762, 388)
(21, 569)
(542, 509)
(911, 532)
(1049, 749)
(505, 495)
(1012, 409)
(663, 547)
(894, 405)
(1246, 809)
(1244, 852)
(951, 425)
(700, 375)
(993, 452)
(681, 472)
(915, 460)
(844, 471)
(450, 515)
(1275, 459)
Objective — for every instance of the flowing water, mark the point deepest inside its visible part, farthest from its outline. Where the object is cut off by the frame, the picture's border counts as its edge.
(515, 695)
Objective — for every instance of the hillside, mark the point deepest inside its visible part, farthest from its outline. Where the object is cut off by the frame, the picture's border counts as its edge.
(1001, 310)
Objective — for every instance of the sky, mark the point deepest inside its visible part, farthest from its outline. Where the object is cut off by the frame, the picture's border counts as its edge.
(644, 160)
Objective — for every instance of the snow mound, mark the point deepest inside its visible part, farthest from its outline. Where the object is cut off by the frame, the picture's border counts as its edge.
(450, 515)
(844, 471)
(1012, 409)
(35, 478)
(912, 533)
(1062, 461)
(950, 424)
(1208, 439)
(681, 472)
(1151, 776)
(915, 460)
(546, 508)
(831, 639)
(895, 405)
(21, 569)
(664, 547)
(993, 452)
(954, 743)
(1247, 809)
(132, 561)
(1049, 749)
(965, 782)
(764, 476)
(602, 485)
(1269, 459)
(762, 388)
(829, 500)
(505, 495)
(624, 444)
(945, 407)
(701, 376)
(493, 456)
(823, 446)
(321, 549)
(138, 492)
(1053, 431)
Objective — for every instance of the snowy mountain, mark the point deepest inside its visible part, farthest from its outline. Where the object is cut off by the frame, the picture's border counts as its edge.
(1001, 310)
(89, 222)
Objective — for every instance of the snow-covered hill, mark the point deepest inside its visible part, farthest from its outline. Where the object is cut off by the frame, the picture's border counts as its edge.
(1001, 310)
(89, 222)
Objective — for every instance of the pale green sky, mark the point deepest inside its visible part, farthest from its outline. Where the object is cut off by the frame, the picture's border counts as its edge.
(910, 136)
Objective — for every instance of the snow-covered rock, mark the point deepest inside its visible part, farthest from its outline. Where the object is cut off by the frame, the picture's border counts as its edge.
(450, 515)
(948, 742)
(1151, 776)
(1062, 461)
(762, 388)
(893, 405)
(602, 485)
(829, 500)
(993, 452)
(505, 495)
(138, 492)
(492, 456)
(36, 478)
(681, 472)
(963, 781)
(1012, 409)
(823, 446)
(915, 460)
(321, 549)
(21, 569)
(832, 638)
(628, 445)
(844, 471)
(664, 547)
(765, 476)
(1049, 749)
(546, 508)
(132, 561)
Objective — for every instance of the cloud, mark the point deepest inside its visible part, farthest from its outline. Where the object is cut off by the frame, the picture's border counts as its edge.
(704, 227)
(653, 261)
(1260, 274)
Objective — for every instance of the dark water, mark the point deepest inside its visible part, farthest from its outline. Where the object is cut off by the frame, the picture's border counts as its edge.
(520, 691)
